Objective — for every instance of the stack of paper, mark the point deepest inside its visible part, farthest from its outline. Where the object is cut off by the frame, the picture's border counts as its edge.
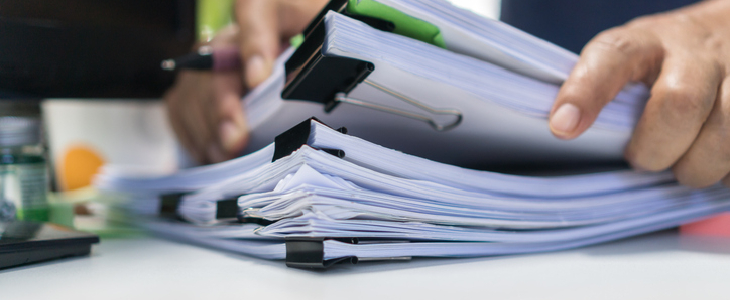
(428, 208)
(318, 195)
(501, 94)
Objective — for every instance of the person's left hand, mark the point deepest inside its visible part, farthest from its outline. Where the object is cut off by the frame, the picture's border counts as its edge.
(684, 55)
(205, 110)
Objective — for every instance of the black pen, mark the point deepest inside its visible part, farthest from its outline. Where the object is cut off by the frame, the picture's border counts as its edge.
(206, 59)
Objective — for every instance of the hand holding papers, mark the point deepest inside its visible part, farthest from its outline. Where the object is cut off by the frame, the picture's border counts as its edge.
(504, 115)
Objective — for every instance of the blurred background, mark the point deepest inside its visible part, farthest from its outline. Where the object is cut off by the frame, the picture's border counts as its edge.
(91, 48)
(89, 72)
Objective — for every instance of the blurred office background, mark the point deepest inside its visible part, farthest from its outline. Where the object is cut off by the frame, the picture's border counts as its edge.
(90, 70)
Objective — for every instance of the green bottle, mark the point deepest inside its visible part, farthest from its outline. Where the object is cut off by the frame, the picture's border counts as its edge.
(23, 172)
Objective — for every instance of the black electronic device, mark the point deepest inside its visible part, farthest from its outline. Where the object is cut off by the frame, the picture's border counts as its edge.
(29, 242)
(91, 48)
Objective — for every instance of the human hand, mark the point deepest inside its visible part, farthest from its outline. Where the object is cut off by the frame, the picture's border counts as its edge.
(684, 56)
(266, 27)
(205, 108)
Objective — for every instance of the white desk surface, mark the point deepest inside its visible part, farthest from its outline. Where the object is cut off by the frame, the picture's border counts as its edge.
(658, 266)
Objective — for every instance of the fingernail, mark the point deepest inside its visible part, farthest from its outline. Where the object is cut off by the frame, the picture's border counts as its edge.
(231, 136)
(255, 70)
(565, 120)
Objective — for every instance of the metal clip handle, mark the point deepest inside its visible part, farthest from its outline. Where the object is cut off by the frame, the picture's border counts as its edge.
(343, 98)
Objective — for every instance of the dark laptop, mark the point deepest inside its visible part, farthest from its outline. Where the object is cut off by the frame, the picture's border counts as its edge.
(28, 242)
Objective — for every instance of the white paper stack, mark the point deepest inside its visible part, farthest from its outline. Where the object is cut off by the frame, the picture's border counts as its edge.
(318, 195)
(429, 208)
(504, 97)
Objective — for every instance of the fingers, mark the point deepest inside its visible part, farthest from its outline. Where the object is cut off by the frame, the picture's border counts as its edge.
(176, 122)
(708, 160)
(295, 15)
(607, 63)
(184, 102)
(681, 101)
(259, 38)
(225, 115)
(266, 25)
(198, 124)
(200, 103)
(228, 117)
(206, 113)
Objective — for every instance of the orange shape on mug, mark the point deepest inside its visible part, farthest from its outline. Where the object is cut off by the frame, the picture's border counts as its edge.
(78, 167)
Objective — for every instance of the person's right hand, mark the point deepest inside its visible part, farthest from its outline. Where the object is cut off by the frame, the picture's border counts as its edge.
(684, 55)
(205, 108)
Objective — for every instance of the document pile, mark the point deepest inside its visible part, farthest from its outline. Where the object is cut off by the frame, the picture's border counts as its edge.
(446, 88)
(340, 197)
(491, 84)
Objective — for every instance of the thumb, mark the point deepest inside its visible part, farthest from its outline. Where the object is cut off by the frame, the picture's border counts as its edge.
(258, 38)
(607, 63)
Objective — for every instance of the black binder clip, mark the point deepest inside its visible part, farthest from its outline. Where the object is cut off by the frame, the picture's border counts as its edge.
(226, 209)
(308, 253)
(298, 136)
(169, 204)
(313, 76)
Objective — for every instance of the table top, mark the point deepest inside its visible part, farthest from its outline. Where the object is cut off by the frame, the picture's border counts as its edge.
(662, 265)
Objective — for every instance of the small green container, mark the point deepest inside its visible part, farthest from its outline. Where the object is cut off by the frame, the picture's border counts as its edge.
(23, 172)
